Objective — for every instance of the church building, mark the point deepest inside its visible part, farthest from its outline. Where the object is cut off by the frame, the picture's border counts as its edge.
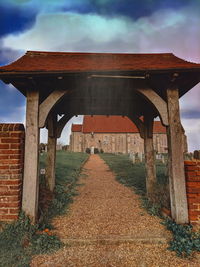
(113, 134)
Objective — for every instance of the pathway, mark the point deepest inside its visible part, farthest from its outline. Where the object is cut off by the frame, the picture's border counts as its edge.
(106, 226)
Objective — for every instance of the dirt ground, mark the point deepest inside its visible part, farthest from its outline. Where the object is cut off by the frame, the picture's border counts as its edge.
(106, 226)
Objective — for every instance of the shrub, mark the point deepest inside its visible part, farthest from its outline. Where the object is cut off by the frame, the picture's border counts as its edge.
(96, 150)
(87, 150)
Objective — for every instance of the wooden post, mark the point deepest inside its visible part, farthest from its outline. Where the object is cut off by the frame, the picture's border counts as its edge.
(51, 152)
(31, 175)
(149, 156)
(179, 208)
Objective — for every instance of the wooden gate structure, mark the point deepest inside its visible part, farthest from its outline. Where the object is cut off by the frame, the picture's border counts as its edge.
(140, 86)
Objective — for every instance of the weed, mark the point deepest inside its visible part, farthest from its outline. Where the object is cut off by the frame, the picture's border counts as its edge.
(21, 239)
(185, 241)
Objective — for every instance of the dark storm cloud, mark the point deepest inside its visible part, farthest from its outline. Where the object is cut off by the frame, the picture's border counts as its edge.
(13, 19)
(131, 8)
(11, 104)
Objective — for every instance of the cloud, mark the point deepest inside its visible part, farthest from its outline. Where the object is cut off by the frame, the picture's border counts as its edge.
(64, 139)
(130, 8)
(164, 31)
(192, 130)
(75, 30)
(17, 115)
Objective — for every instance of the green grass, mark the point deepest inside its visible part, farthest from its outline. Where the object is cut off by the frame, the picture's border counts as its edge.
(20, 240)
(185, 241)
(133, 175)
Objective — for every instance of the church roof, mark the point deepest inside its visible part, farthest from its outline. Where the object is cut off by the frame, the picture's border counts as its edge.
(77, 127)
(112, 124)
(61, 62)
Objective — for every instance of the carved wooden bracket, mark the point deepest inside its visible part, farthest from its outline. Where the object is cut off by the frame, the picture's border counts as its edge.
(48, 104)
(158, 103)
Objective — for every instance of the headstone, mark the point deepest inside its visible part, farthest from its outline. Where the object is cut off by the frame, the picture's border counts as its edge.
(92, 150)
(140, 156)
(42, 171)
(133, 158)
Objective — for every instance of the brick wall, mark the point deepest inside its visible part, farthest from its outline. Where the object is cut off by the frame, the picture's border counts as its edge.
(192, 173)
(11, 170)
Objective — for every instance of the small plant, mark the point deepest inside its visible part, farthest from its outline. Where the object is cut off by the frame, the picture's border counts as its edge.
(20, 240)
(96, 150)
(87, 150)
(185, 241)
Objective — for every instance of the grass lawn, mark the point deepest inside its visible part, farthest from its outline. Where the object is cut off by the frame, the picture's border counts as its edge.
(133, 175)
(185, 241)
(20, 240)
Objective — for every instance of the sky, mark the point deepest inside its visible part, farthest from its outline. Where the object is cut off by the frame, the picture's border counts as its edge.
(147, 26)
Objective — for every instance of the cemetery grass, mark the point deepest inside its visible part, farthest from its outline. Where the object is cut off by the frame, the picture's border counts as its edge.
(133, 176)
(20, 240)
(185, 241)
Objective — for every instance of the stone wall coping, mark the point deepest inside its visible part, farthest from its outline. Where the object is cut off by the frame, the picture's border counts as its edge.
(5, 127)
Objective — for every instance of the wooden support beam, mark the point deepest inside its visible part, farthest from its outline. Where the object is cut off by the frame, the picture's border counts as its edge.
(47, 105)
(179, 208)
(61, 124)
(158, 103)
(149, 156)
(31, 177)
(139, 123)
(51, 152)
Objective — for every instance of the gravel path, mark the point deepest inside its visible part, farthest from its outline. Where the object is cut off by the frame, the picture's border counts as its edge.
(106, 226)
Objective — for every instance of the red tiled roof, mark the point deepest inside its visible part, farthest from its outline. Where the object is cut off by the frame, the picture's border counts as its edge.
(158, 127)
(34, 61)
(77, 127)
(114, 124)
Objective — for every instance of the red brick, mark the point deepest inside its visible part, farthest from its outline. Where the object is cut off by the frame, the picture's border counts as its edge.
(4, 157)
(17, 134)
(3, 211)
(4, 167)
(193, 179)
(10, 204)
(189, 163)
(10, 151)
(192, 190)
(4, 146)
(16, 146)
(193, 217)
(3, 188)
(190, 174)
(16, 176)
(193, 184)
(11, 193)
(19, 156)
(193, 206)
(10, 182)
(193, 196)
(191, 168)
(9, 199)
(12, 161)
(4, 134)
(10, 217)
(15, 187)
(16, 167)
(14, 211)
(10, 140)
(194, 212)
(18, 171)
